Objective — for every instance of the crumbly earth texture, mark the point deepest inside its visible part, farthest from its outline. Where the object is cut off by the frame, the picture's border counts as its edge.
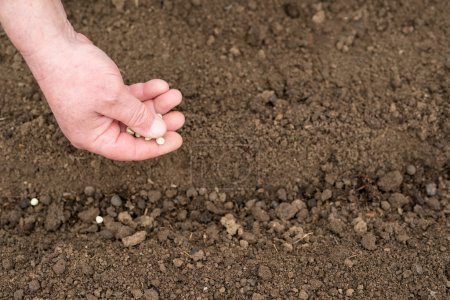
(316, 162)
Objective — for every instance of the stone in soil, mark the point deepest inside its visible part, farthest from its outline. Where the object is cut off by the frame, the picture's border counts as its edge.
(89, 191)
(390, 181)
(411, 170)
(134, 239)
(431, 189)
(116, 201)
(282, 194)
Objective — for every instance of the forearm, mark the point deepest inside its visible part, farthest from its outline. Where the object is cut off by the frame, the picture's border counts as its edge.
(33, 24)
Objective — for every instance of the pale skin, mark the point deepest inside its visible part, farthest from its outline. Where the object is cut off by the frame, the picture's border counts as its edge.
(84, 87)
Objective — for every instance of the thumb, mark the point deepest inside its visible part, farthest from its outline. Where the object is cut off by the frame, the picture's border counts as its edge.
(134, 114)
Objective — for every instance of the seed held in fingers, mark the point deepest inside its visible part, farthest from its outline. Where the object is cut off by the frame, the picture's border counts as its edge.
(148, 138)
(159, 115)
(160, 141)
(130, 131)
(137, 135)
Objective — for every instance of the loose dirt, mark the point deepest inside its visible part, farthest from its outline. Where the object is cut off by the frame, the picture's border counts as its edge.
(316, 162)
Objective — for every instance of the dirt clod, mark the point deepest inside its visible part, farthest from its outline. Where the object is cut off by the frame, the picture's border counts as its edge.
(59, 267)
(292, 10)
(286, 211)
(134, 239)
(89, 215)
(368, 241)
(391, 181)
(34, 285)
(264, 272)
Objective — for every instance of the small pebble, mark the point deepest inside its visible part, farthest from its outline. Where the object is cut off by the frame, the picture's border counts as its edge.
(89, 191)
(411, 170)
(160, 141)
(116, 201)
(99, 219)
(177, 262)
(303, 295)
(431, 189)
(34, 201)
(349, 292)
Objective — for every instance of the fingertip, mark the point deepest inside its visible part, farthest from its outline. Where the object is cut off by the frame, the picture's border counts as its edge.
(174, 120)
(155, 87)
(167, 101)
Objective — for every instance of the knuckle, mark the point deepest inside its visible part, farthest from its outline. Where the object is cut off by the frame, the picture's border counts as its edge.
(111, 95)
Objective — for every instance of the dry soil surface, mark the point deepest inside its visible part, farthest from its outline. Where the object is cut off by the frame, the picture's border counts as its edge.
(316, 162)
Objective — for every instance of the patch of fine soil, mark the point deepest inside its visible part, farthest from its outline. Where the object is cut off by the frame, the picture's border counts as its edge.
(316, 162)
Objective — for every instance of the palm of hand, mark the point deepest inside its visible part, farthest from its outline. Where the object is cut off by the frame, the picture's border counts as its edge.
(92, 105)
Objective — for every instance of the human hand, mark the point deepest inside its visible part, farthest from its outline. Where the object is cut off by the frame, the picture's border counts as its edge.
(93, 106)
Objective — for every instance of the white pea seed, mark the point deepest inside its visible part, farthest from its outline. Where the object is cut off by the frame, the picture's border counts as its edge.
(34, 201)
(160, 141)
(148, 138)
(99, 219)
(130, 131)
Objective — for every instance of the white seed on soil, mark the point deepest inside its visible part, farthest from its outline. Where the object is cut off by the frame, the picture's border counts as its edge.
(130, 131)
(160, 141)
(99, 219)
(34, 201)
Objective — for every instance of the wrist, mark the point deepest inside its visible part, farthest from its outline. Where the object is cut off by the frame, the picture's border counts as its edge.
(31, 25)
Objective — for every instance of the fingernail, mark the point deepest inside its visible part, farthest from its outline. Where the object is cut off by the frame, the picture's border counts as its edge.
(158, 128)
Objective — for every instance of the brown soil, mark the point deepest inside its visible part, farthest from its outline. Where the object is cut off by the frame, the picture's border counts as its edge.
(296, 179)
